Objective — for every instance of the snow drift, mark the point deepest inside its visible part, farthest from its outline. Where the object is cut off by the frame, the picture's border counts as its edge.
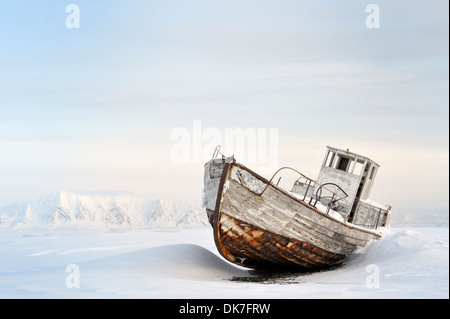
(99, 211)
(182, 261)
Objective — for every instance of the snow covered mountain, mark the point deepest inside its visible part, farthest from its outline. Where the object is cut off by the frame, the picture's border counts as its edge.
(100, 210)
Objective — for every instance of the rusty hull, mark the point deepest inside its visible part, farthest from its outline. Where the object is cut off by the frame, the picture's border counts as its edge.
(249, 245)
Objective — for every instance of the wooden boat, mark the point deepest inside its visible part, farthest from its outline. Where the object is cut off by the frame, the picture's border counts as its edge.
(258, 224)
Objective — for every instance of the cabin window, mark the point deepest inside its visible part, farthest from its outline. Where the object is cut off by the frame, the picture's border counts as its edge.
(330, 159)
(372, 173)
(342, 163)
(358, 168)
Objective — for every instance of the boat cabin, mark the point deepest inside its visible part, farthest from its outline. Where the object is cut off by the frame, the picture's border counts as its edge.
(355, 175)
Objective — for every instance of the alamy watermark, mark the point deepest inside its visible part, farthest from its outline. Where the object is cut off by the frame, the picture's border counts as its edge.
(373, 19)
(249, 145)
(73, 19)
(73, 279)
(373, 279)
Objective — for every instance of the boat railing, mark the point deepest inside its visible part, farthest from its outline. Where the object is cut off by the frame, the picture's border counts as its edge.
(333, 198)
(217, 152)
(314, 192)
(223, 157)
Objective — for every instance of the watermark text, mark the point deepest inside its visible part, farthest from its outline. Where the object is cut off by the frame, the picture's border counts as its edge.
(250, 145)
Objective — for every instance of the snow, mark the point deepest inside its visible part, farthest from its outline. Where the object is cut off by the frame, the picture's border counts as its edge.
(115, 245)
(409, 262)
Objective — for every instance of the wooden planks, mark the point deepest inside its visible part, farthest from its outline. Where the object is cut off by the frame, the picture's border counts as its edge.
(251, 246)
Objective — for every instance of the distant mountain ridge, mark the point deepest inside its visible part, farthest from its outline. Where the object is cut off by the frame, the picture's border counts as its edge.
(99, 210)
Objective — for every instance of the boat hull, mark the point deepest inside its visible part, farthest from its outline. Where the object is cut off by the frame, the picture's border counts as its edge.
(251, 246)
(259, 225)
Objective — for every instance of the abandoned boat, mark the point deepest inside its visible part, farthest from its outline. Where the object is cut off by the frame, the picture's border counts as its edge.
(258, 224)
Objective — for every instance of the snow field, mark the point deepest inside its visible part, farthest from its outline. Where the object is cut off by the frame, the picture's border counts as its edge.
(409, 262)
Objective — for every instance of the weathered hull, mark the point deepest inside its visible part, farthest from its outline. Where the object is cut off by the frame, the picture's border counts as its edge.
(251, 246)
(259, 225)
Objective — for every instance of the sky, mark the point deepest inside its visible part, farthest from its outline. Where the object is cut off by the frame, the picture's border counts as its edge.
(136, 97)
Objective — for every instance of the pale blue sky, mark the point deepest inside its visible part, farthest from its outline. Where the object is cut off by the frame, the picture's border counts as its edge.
(92, 108)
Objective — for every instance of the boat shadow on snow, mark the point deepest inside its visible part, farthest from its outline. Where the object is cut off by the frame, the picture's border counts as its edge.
(282, 276)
